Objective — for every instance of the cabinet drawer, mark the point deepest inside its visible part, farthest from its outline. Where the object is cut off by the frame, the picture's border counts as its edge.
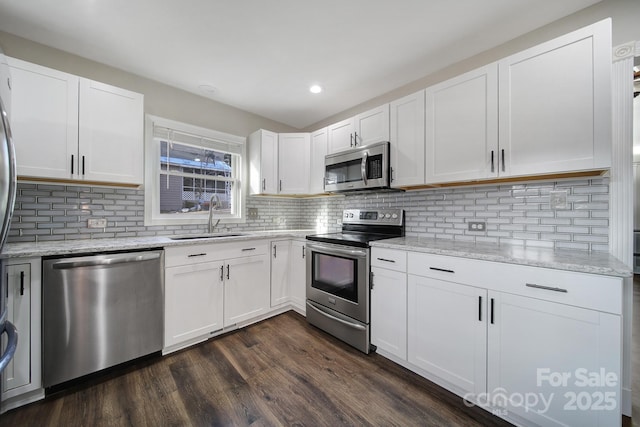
(242, 249)
(592, 291)
(389, 258)
(191, 254)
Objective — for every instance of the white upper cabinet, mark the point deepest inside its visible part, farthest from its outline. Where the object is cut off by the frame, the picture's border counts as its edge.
(555, 104)
(462, 127)
(67, 127)
(293, 163)
(44, 120)
(340, 135)
(407, 140)
(364, 129)
(263, 162)
(319, 147)
(371, 126)
(111, 133)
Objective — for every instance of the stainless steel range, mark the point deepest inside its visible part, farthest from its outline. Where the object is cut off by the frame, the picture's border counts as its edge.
(338, 273)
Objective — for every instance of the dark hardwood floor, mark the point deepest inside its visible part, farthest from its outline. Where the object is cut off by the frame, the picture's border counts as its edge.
(278, 372)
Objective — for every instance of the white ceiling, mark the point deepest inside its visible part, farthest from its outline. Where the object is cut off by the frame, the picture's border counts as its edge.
(262, 55)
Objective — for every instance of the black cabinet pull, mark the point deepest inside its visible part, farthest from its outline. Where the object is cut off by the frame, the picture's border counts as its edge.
(386, 260)
(275, 251)
(480, 308)
(280, 186)
(228, 271)
(264, 184)
(492, 311)
(303, 254)
(351, 140)
(222, 272)
(22, 283)
(355, 139)
(72, 164)
(444, 270)
(492, 163)
(247, 249)
(502, 159)
(194, 255)
(82, 165)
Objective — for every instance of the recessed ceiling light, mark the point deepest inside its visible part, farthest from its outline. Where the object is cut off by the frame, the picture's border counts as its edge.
(315, 89)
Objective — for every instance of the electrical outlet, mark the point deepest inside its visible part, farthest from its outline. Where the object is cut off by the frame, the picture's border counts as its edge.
(252, 213)
(96, 222)
(477, 226)
(558, 199)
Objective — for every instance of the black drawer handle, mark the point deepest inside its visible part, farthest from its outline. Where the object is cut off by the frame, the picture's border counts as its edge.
(386, 260)
(546, 288)
(248, 249)
(194, 255)
(444, 270)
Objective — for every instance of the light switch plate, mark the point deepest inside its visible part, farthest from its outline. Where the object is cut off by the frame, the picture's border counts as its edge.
(558, 199)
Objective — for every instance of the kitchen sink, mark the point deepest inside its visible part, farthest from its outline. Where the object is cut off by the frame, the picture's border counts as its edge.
(206, 236)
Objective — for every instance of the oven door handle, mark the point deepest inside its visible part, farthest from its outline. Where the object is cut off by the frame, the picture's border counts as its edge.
(334, 249)
(344, 322)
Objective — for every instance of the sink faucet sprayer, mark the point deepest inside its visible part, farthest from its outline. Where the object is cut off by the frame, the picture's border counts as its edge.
(214, 202)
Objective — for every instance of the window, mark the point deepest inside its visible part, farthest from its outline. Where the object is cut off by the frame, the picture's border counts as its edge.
(190, 170)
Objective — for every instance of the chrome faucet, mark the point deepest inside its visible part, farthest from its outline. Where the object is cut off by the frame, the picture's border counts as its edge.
(214, 202)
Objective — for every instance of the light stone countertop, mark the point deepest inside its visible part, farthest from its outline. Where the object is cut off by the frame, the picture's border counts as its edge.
(71, 247)
(571, 260)
(559, 259)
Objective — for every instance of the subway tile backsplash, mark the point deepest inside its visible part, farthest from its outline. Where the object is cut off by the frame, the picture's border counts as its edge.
(518, 214)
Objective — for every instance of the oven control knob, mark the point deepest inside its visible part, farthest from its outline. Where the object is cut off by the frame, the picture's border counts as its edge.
(394, 216)
(387, 216)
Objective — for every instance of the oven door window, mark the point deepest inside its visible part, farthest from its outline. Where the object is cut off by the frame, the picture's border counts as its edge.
(335, 275)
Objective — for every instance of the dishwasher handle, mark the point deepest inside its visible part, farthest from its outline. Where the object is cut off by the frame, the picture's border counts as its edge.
(106, 260)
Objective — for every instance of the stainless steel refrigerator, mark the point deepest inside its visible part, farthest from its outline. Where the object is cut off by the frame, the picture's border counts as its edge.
(7, 199)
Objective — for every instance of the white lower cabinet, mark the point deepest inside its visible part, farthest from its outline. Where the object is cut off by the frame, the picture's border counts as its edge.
(22, 379)
(246, 292)
(209, 287)
(389, 311)
(280, 272)
(563, 360)
(447, 328)
(533, 345)
(389, 302)
(298, 275)
(193, 301)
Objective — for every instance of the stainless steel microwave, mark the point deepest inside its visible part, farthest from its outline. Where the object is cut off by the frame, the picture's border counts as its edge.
(362, 168)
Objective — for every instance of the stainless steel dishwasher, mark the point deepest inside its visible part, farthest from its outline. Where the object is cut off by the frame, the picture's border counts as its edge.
(100, 311)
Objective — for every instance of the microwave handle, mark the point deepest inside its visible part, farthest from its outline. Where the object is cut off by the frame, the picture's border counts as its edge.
(363, 167)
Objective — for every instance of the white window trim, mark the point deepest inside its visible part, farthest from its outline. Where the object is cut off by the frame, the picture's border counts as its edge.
(152, 214)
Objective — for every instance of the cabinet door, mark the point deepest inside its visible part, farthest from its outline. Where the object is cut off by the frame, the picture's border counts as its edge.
(371, 126)
(246, 288)
(44, 120)
(534, 343)
(279, 272)
(462, 127)
(389, 311)
(111, 133)
(193, 301)
(298, 275)
(263, 162)
(555, 104)
(293, 163)
(18, 372)
(340, 136)
(319, 149)
(407, 140)
(447, 331)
